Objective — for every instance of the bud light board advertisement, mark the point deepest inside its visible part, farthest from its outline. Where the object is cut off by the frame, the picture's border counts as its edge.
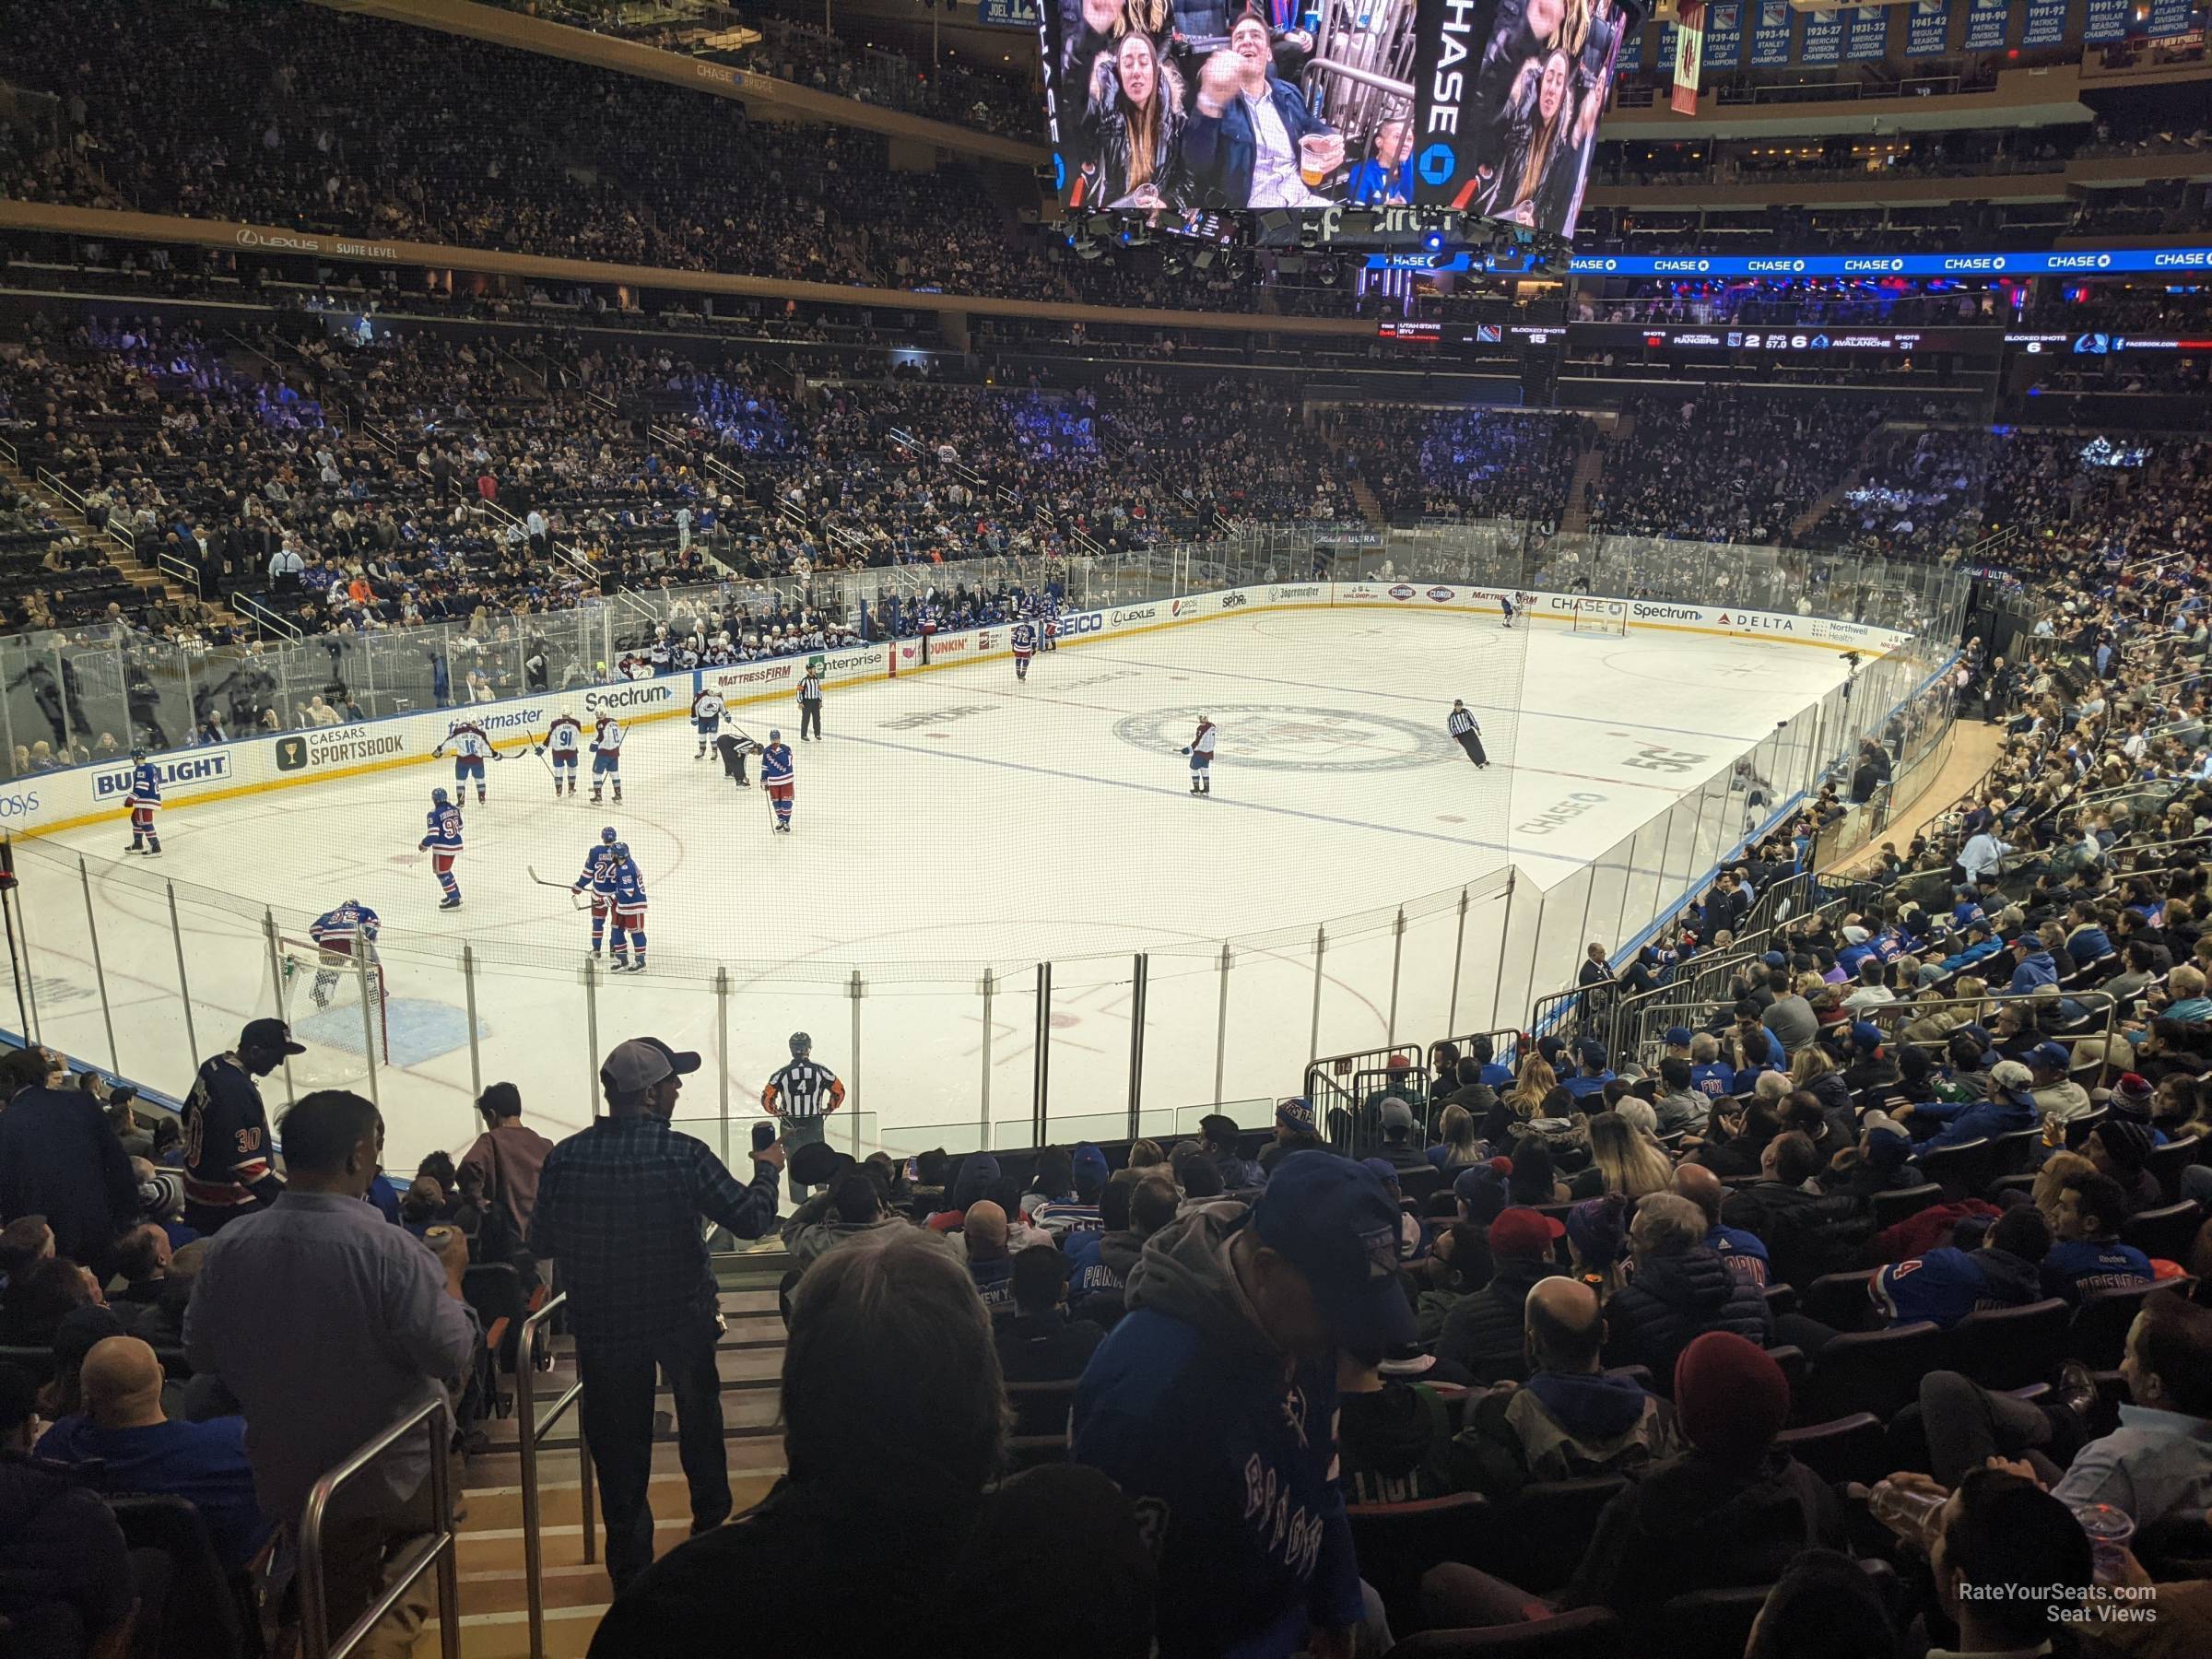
(1508, 99)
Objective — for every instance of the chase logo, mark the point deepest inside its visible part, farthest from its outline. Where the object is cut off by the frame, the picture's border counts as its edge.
(1438, 164)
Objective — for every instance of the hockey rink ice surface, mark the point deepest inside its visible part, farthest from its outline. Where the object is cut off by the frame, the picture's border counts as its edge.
(949, 821)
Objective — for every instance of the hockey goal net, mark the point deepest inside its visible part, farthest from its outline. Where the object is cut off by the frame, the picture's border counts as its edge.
(1600, 617)
(336, 1005)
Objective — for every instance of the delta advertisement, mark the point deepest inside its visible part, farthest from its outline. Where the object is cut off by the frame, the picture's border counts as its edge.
(64, 800)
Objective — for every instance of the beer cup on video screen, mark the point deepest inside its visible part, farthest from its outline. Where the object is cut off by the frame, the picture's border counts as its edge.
(1319, 155)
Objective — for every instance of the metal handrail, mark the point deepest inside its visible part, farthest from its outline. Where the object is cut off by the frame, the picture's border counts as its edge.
(437, 1550)
(530, 1430)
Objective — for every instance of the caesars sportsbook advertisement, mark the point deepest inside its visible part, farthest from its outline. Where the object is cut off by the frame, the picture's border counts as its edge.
(1166, 108)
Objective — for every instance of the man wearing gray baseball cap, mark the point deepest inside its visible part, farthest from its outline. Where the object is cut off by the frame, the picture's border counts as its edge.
(618, 1208)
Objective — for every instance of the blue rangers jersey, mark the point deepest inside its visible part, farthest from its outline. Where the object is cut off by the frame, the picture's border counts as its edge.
(1025, 639)
(444, 825)
(340, 927)
(775, 763)
(630, 885)
(146, 786)
(599, 866)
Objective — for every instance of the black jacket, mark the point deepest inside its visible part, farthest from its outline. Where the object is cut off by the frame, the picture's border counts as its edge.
(59, 1160)
(1045, 1347)
(1483, 1332)
(59, 1549)
(1806, 1234)
(1696, 1523)
(1672, 1301)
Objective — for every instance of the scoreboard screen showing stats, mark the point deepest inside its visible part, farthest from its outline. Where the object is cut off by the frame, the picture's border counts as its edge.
(1168, 107)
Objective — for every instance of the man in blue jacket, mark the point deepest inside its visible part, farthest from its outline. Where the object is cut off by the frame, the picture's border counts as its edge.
(2010, 1106)
(2032, 966)
(1214, 1405)
(1241, 147)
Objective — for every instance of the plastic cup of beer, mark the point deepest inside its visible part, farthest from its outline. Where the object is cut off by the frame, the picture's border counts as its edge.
(1318, 154)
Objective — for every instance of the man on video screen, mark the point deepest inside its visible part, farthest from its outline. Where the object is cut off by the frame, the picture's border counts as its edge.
(1252, 141)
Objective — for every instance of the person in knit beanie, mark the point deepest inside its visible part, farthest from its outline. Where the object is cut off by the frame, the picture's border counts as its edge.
(1734, 1511)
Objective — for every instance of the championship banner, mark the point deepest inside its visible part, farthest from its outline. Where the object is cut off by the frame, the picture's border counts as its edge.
(1985, 21)
(2046, 24)
(1869, 33)
(1723, 36)
(1927, 28)
(1630, 60)
(1007, 14)
(2168, 17)
(1823, 38)
(1770, 34)
(1690, 56)
(2105, 20)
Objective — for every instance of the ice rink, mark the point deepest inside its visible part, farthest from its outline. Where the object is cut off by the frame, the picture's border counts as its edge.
(949, 824)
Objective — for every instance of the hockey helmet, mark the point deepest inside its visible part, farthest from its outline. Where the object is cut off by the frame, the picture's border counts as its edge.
(774, 736)
(801, 1044)
(607, 834)
(621, 849)
(437, 797)
(137, 754)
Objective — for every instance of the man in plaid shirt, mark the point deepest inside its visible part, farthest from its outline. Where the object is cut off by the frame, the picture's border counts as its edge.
(619, 1209)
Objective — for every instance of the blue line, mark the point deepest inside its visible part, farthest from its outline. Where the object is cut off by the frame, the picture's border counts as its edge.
(1317, 818)
(1519, 710)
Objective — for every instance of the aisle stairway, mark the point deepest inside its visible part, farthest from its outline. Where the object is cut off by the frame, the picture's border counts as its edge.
(494, 1608)
(1588, 466)
(144, 576)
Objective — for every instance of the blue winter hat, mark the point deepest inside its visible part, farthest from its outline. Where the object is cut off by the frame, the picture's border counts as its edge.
(1088, 1156)
(1774, 958)
(1888, 1146)
(1381, 1169)
(1678, 1036)
(1335, 1222)
(1593, 1053)
(1295, 1114)
(1481, 1187)
(1866, 1036)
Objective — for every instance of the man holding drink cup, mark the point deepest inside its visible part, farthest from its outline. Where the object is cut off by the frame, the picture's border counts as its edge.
(1252, 142)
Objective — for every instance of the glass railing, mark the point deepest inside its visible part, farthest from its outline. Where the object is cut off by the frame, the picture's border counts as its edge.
(145, 974)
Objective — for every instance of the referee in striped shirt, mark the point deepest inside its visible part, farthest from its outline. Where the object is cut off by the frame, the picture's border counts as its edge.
(810, 705)
(1461, 725)
(802, 1094)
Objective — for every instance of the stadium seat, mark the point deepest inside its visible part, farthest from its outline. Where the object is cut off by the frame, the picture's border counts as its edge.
(1840, 1299)
(1042, 1408)
(1539, 1536)
(205, 1614)
(1964, 1171)
(2015, 1154)
(1585, 1633)
(1848, 1448)
(1709, 1624)
(2168, 1161)
(2077, 1129)
(1420, 1185)
(2165, 1234)
(1398, 1542)
(2009, 1348)
(1873, 1371)
(2099, 1335)
(1781, 1300)
(1904, 1203)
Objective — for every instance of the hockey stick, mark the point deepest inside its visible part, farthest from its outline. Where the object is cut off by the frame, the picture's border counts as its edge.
(576, 900)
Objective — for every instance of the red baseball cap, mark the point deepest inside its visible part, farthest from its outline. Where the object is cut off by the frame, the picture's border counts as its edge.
(1523, 1231)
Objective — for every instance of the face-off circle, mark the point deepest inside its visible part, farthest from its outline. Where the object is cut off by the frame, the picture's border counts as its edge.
(1287, 737)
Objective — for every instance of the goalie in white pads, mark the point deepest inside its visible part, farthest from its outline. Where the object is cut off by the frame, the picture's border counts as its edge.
(351, 927)
(706, 719)
(564, 740)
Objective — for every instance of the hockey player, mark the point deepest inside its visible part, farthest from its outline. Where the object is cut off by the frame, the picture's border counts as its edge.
(1025, 647)
(630, 912)
(734, 747)
(1521, 602)
(1466, 731)
(564, 738)
(607, 756)
(776, 776)
(1201, 750)
(599, 881)
(660, 654)
(340, 932)
(706, 718)
(144, 796)
(443, 844)
(471, 745)
(227, 1167)
(1048, 632)
(1505, 604)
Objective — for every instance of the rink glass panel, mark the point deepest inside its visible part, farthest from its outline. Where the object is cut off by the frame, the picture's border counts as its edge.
(932, 1054)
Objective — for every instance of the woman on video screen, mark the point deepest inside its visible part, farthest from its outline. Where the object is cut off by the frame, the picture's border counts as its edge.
(1133, 122)
(1536, 181)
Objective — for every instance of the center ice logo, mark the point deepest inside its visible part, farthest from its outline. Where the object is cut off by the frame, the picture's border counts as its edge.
(1281, 737)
